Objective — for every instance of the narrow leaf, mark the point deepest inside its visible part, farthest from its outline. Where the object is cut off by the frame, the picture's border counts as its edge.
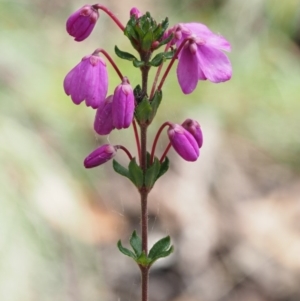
(137, 63)
(124, 55)
(118, 168)
(143, 110)
(163, 167)
(152, 173)
(125, 251)
(136, 243)
(136, 173)
(155, 102)
(147, 41)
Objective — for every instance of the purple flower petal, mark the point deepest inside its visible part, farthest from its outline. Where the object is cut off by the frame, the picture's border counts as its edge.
(187, 71)
(88, 81)
(103, 123)
(214, 64)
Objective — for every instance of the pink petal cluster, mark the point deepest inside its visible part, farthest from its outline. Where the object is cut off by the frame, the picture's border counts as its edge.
(88, 81)
(201, 58)
(99, 156)
(82, 22)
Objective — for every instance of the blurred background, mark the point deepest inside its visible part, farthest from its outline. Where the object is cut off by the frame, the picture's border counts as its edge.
(234, 215)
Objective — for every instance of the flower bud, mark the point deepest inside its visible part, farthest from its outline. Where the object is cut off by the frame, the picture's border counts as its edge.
(81, 23)
(135, 12)
(193, 127)
(123, 105)
(88, 81)
(99, 156)
(183, 142)
(103, 123)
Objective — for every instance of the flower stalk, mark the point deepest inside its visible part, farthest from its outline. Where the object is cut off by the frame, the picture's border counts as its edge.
(200, 57)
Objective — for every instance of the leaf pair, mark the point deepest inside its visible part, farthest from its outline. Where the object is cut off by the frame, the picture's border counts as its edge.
(160, 249)
(135, 174)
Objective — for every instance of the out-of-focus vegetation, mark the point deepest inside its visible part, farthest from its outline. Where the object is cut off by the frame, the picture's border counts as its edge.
(55, 216)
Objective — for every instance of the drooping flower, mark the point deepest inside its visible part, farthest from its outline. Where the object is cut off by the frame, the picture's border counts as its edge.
(183, 142)
(201, 58)
(81, 23)
(193, 127)
(103, 123)
(100, 155)
(88, 81)
(123, 105)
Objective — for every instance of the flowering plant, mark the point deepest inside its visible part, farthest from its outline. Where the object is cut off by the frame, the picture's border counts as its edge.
(200, 56)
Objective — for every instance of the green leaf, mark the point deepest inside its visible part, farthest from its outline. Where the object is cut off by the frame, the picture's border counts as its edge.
(129, 29)
(137, 63)
(161, 58)
(157, 60)
(124, 55)
(155, 102)
(163, 167)
(160, 247)
(162, 254)
(143, 111)
(147, 41)
(136, 173)
(152, 173)
(118, 168)
(136, 243)
(125, 251)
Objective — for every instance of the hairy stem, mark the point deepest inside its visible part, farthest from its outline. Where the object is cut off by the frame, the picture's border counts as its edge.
(143, 192)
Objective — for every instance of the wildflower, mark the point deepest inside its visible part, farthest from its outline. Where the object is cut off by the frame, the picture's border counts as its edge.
(183, 142)
(88, 81)
(201, 58)
(81, 23)
(103, 124)
(123, 105)
(193, 127)
(99, 156)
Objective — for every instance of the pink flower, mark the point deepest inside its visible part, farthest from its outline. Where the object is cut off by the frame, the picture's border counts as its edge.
(183, 142)
(99, 156)
(201, 58)
(123, 105)
(103, 124)
(88, 81)
(81, 23)
(193, 127)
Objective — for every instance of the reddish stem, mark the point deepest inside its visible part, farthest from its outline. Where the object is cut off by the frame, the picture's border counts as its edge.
(172, 62)
(165, 152)
(156, 140)
(157, 74)
(125, 150)
(137, 139)
(115, 19)
(110, 60)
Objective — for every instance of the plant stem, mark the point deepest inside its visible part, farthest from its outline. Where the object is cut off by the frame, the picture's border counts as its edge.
(143, 191)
